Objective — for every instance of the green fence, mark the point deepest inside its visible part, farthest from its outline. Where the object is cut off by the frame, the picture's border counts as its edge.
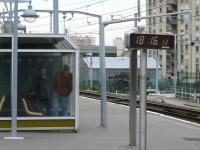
(112, 86)
(191, 80)
(122, 86)
(85, 85)
(184, 80)
(164, 85)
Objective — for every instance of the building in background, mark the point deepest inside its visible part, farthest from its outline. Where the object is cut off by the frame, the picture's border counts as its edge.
(117, 68)
(83, 40)
(162, 25)
(86, 50)
(187, 30)
(119, 43)
(188, 38)
(87, 45)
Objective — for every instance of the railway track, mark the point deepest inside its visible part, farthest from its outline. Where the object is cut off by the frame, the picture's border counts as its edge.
(184, 113)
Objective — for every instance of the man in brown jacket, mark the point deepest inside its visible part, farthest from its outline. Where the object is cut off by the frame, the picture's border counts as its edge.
(62, 86)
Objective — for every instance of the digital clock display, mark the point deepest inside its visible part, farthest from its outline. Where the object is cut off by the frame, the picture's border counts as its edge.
(151, 41)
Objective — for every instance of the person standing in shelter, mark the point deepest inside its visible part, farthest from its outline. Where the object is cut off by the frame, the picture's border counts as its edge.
(62, 86)
(40, 89)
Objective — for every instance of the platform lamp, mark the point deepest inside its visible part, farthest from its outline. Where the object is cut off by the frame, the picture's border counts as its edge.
(21, 27)
(30, 15)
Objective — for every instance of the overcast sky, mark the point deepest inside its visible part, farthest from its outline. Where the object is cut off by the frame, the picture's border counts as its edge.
(110, 9)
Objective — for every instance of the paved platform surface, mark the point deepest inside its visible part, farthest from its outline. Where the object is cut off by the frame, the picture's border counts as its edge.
(164, 133)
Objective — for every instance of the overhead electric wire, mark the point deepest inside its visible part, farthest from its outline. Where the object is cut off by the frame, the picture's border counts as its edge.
(130, 15)
(160, 23)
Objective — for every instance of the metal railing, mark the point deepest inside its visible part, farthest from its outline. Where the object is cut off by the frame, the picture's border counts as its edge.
(187, 93)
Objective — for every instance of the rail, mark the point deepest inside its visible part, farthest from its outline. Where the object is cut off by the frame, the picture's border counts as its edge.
(184, 113)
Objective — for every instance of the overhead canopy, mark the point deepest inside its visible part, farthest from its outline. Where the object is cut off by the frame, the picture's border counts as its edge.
(38, 42)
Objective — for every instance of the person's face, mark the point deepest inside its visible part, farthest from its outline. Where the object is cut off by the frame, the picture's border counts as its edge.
(66, 71)
(43, 72)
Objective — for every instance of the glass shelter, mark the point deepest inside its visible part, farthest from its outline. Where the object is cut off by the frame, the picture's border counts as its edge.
(47, 82)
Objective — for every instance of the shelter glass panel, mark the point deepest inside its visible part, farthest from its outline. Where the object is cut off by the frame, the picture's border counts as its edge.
(45, 84)
(5, 75)
(5, 43)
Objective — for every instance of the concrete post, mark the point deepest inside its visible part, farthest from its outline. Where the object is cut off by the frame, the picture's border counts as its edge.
(133, 98)
(104, 120)
(143, 113)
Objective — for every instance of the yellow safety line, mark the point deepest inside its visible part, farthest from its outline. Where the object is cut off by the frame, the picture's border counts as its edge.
(28, 111)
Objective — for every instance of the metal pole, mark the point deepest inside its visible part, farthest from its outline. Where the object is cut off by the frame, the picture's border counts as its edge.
(64, 17)
(10, 19)
(51, 22)
(143, 113)
(138, 9)
(14, 73)
(87, 76)
(190, 28)
(133, 99)
(104, 120)
(3, 16)
(175, 65)
(55, 17)
(135, 23)
(157, 72)
(145, 17)
(91, 78)
(133, 95)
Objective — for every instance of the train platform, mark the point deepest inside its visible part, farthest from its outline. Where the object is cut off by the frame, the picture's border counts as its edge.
(163, 132)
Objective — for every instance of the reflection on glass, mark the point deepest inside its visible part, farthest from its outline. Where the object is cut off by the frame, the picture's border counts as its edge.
(45, 84)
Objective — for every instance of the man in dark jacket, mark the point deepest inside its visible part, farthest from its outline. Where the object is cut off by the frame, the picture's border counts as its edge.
(62, 86)
(40, 89)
